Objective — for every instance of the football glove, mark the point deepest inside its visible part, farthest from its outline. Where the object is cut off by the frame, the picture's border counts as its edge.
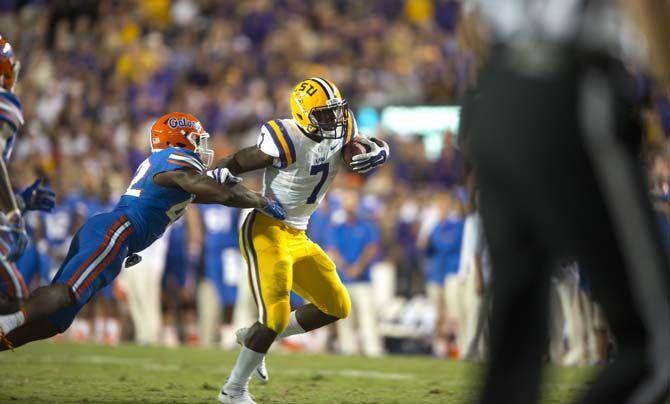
(274, 209)
(223, 176)
(36, 197)
(18, 235)
(362, 163)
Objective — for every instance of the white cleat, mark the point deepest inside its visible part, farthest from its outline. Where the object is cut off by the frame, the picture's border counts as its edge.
(261, 371)
(230, 397)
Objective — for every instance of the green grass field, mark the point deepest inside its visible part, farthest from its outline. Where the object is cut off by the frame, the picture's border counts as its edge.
(64, 373)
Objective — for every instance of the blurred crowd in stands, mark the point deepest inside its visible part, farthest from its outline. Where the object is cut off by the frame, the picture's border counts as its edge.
(95, 74)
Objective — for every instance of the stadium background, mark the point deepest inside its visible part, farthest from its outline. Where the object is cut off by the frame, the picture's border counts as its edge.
(95, 74)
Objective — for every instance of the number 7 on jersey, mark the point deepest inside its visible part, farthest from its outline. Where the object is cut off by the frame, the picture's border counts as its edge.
(314, 170)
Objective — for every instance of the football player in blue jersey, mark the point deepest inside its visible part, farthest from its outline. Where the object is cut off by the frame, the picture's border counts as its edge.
(164, 185)
(178, 314)
(222, 264)
(13, 235)
(105, 308)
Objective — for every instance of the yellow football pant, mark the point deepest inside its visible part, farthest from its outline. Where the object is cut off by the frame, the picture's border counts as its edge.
(280, 258)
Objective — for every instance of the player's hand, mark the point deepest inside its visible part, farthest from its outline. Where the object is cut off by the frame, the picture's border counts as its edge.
(19, 236)
(274, 209)
(379, 153)
(223, 176)
(37, 197)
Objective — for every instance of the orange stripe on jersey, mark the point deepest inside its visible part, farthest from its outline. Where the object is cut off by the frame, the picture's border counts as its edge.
(7, 280)
(108, 237)
(111, 256)
(282, 141)
(22, 283)
(181, 163)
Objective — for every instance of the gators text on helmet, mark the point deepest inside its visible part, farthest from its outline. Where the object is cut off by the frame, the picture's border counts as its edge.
(180, 129)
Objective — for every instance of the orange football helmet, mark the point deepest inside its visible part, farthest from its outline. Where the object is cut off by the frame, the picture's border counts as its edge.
(179, 129)
(9, 66)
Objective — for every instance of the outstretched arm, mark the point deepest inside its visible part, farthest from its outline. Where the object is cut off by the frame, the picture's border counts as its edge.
(8, 204)
(207, 190)
(7, 199)
(245, 160)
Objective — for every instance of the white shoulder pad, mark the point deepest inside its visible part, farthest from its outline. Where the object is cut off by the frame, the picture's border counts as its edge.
(266, 144)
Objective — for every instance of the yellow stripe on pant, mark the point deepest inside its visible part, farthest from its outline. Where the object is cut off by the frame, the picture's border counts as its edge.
(280, 258)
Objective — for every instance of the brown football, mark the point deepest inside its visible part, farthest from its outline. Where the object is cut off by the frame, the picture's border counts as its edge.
(354, 148)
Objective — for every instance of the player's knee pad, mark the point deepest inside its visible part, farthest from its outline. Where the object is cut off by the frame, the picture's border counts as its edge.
(277, 315)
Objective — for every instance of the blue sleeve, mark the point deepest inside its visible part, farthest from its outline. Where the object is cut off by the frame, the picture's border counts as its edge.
(177, 159)
(10, 110)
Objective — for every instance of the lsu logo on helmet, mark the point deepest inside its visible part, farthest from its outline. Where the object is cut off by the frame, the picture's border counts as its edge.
(319, 109)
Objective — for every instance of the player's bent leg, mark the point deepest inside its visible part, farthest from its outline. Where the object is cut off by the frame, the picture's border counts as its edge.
(47, 300)
(41, 303)
(93, 261)
(8, 306)
(33, 331)
(315, 278)
(13, 289)
(256, 344)
(269, 269)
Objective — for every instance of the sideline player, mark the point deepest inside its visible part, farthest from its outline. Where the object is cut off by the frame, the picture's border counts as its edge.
(13, 235)
(217, 291)
(301, 157)
(164, 185)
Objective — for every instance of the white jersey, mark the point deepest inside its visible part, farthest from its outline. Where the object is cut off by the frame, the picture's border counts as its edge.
(303, 169)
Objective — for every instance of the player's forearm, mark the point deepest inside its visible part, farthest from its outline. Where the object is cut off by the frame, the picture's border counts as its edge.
(7, 199)
(368, 256)
(245, 160)
(237, 196)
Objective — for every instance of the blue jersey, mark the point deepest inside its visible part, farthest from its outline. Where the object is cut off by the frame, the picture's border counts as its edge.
(444, 250)
(221, 256)
(33, 263)
(11, 114)
(150, 207)
(94, 205)
(177, 262)
(319, 225)
(350, 239)
(59, 224)
(221, 230)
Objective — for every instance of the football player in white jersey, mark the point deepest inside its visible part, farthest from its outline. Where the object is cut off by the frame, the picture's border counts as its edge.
(301, 157)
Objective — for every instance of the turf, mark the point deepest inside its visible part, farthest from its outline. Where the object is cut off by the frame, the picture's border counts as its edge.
(64, 373)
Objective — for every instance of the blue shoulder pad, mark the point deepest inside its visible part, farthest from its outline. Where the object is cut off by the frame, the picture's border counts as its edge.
(10, 109)
(178, 159)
